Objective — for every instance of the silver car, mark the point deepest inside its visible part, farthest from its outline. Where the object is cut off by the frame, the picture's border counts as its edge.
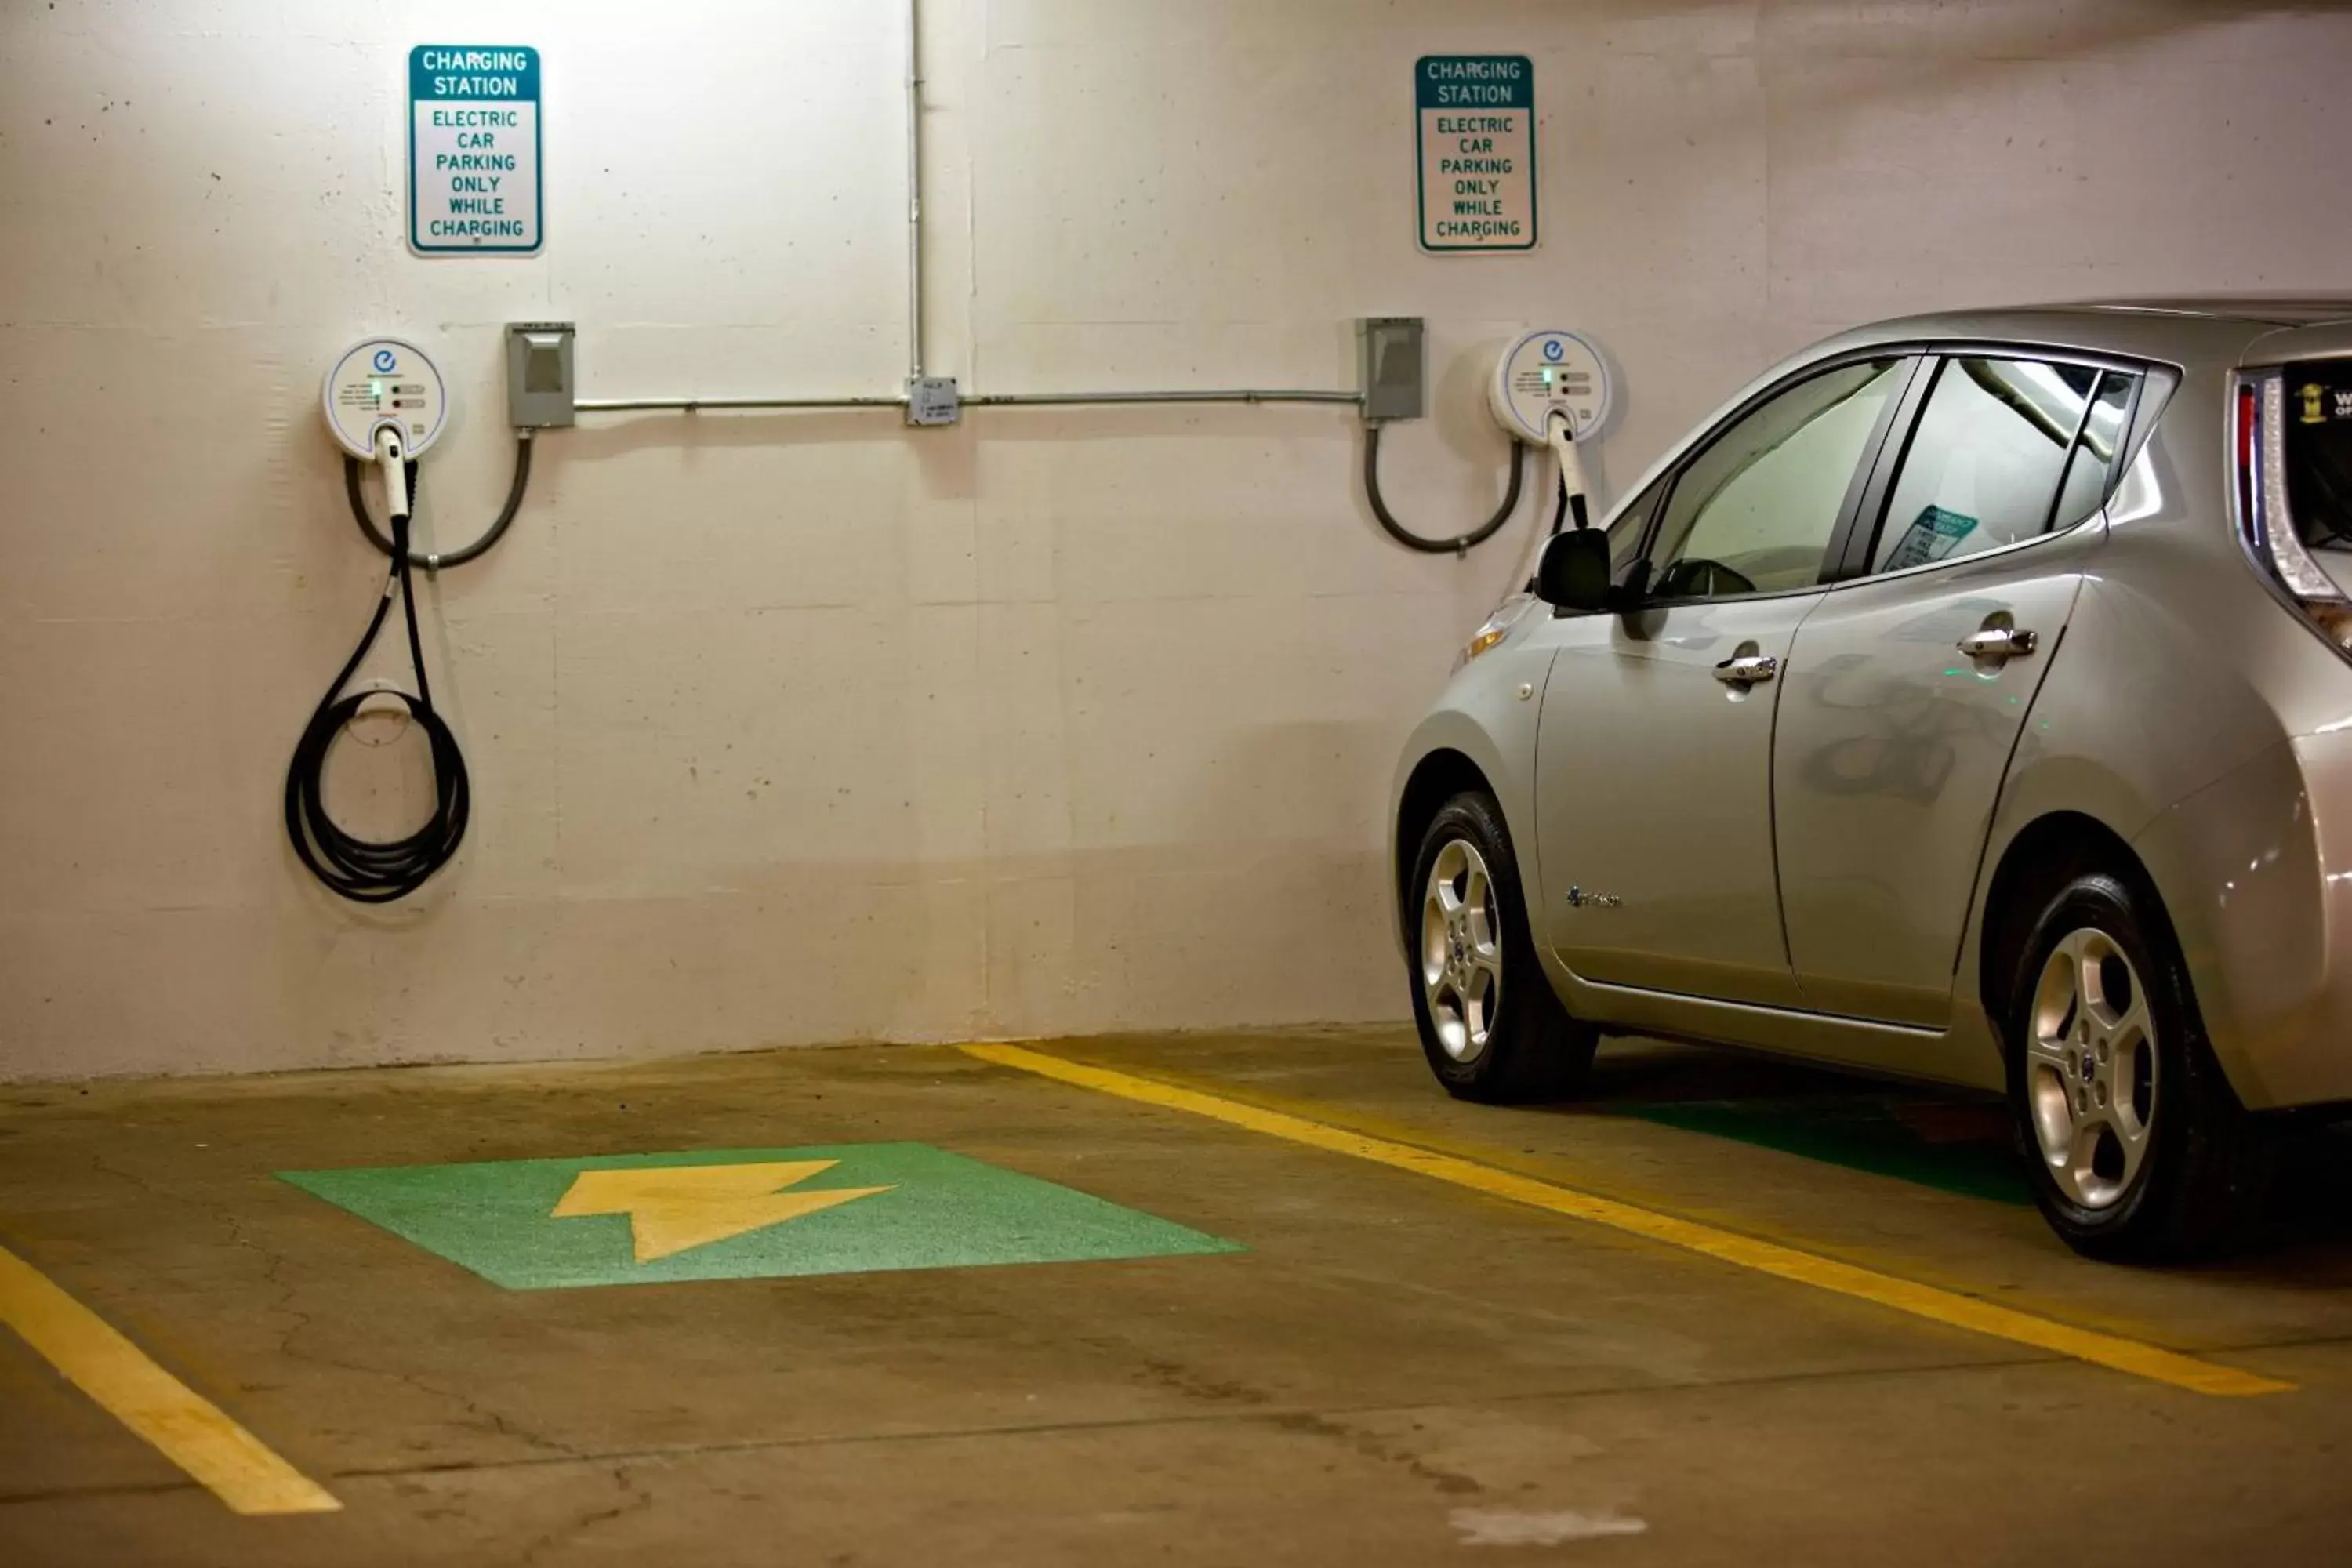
(1969, 699)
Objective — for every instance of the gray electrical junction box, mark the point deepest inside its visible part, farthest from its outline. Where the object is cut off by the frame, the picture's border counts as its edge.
(934, 400)
(539, 389)
(1388, 369)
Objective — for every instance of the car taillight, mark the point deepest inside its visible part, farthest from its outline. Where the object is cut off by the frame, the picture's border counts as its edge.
(2265, 527)
(2249, 436)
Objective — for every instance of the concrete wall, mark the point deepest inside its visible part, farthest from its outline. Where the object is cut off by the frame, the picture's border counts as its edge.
(805, 727)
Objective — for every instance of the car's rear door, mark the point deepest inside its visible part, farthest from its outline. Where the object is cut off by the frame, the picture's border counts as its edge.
(1654, 742)
(1907, 688)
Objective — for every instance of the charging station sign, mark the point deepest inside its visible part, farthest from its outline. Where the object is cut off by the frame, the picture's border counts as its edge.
(473, 150)
(1477, 142)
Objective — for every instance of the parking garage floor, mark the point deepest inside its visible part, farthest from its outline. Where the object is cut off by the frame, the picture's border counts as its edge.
(1201, 1299)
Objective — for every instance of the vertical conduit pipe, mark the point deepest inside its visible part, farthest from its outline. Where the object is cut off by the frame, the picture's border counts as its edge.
(914, 197)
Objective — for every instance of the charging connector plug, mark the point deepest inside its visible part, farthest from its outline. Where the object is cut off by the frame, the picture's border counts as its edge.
(391, 459)
(1559, 433)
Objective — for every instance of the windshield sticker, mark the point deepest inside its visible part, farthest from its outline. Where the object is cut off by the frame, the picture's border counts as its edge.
(2321, 403)
(1934, 535)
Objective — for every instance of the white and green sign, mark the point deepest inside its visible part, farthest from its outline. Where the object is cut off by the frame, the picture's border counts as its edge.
(473, 150)
(1477, 147)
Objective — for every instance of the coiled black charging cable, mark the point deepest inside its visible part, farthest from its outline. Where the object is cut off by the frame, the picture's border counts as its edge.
(1426, 545)
(360, 869)
(364, 871)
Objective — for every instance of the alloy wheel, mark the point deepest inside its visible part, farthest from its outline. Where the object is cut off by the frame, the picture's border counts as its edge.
(2091, 1069)
(1461, 951)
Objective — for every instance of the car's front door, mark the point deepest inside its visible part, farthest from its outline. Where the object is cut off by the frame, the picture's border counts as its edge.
(1654, 742)
(1907, 687)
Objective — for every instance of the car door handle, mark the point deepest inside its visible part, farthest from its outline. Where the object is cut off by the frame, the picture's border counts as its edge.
(1748, 669)
(2000, 642)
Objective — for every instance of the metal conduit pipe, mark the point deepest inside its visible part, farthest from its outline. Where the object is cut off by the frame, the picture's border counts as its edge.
(983, 400)
(914, 197)
(696, 404)
(1231, 395)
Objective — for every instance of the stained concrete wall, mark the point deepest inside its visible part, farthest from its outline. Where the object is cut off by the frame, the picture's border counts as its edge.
(803, 727)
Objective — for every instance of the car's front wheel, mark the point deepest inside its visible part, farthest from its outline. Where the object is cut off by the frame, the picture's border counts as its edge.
(1490, 1025)
(2135, 1143)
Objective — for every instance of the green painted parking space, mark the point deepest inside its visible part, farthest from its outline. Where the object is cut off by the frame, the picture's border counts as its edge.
(1953, 1146)
(739, 1214)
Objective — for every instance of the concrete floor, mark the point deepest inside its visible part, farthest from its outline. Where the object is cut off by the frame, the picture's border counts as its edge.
(1393, 1371)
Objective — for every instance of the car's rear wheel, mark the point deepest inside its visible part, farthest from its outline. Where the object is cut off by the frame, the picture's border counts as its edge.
(1490, 1023)
(2135, 1145)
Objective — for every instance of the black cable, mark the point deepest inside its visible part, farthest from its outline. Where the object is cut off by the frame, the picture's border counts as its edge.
(1427, 546)
(433, 563)
(360, 869)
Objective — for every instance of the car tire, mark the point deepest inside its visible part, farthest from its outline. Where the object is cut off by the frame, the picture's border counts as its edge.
(1491, 1026)
(2135, 1145)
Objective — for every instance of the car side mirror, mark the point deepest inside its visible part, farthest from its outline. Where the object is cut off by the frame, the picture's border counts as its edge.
(1572, 573)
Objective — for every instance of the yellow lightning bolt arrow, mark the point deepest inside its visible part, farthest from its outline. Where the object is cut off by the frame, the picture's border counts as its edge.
(672, 1208)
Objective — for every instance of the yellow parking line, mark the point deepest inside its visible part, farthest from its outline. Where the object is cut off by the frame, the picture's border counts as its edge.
(1729, 1247)
(191, 1431)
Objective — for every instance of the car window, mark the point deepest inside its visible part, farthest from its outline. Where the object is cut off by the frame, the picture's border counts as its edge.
(2318, 440)
(2086, 490)
(1983, 464)
(1753, 512)
(1632, 527)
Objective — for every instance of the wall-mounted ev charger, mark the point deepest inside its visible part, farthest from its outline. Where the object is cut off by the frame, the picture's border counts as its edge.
(386, 404)
(1545, 376)
(1552, 388)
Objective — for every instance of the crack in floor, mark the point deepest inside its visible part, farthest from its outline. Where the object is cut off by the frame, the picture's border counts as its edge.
(473, 1413)
(635, 1500)
(672, 1452)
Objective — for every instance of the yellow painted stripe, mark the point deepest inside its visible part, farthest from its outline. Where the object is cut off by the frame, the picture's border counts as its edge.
(191, 1431)
(1927, 1301)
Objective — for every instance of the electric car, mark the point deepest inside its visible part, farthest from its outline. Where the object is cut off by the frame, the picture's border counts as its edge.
(1969, 699)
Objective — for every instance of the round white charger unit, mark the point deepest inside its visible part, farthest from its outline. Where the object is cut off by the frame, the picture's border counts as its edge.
(383, 381)
(1548, 370)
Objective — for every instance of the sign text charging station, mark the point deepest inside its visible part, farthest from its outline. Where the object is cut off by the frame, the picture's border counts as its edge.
(1475, 144)
(474, 137)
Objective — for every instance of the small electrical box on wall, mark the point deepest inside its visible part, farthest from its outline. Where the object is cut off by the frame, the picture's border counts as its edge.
(540, 390)
(934, 400)
(1388, 367)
